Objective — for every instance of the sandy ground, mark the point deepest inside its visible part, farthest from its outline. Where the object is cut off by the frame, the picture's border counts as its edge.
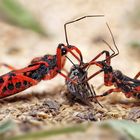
(33, 107)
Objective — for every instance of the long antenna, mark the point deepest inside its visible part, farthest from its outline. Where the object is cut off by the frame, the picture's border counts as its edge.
(65, 25)
(109, 46)
(112, 36)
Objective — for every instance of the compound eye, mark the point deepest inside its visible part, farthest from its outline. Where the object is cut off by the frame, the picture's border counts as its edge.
(64, 51)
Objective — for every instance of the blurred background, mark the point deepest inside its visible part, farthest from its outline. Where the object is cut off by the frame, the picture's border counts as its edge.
(33, 28)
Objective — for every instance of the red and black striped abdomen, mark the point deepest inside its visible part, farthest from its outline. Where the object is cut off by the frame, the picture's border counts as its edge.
(10, 85)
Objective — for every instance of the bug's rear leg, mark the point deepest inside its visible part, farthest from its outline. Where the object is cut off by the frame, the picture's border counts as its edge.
(137, 75)
(108, 92)
(7, 66)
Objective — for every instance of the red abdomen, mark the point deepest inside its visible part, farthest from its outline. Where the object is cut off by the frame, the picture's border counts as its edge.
(10, 85)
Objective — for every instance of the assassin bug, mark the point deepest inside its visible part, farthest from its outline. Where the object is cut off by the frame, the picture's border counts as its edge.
(84, 92)
(122, 83)
(40, 68)
(129, 86)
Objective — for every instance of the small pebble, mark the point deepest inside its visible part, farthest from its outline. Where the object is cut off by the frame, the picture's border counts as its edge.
(52, 104)
(87, 116)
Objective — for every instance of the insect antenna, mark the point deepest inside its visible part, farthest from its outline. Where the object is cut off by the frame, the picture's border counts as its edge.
(109, 47)
(112, 36)
(114, 53)
(78, 19)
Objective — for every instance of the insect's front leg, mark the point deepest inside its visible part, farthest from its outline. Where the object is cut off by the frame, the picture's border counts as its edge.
(93, 75)
(107, 57)
(66, 77)
(95, 62)
(104, 65)
(73, 48)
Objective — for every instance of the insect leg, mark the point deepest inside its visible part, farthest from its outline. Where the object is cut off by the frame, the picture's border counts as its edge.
(137, 75)
(93, 62)
(7, 66)
(27, 69)
(108, 92)
(93, 75)
(70, 50)
(66, 77)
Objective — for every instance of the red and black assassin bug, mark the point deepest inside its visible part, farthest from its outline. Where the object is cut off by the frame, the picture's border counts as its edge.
(122, 83)
(40, 68)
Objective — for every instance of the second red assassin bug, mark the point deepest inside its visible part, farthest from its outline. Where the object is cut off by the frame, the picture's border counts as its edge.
(40, 68)
(122, 83)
